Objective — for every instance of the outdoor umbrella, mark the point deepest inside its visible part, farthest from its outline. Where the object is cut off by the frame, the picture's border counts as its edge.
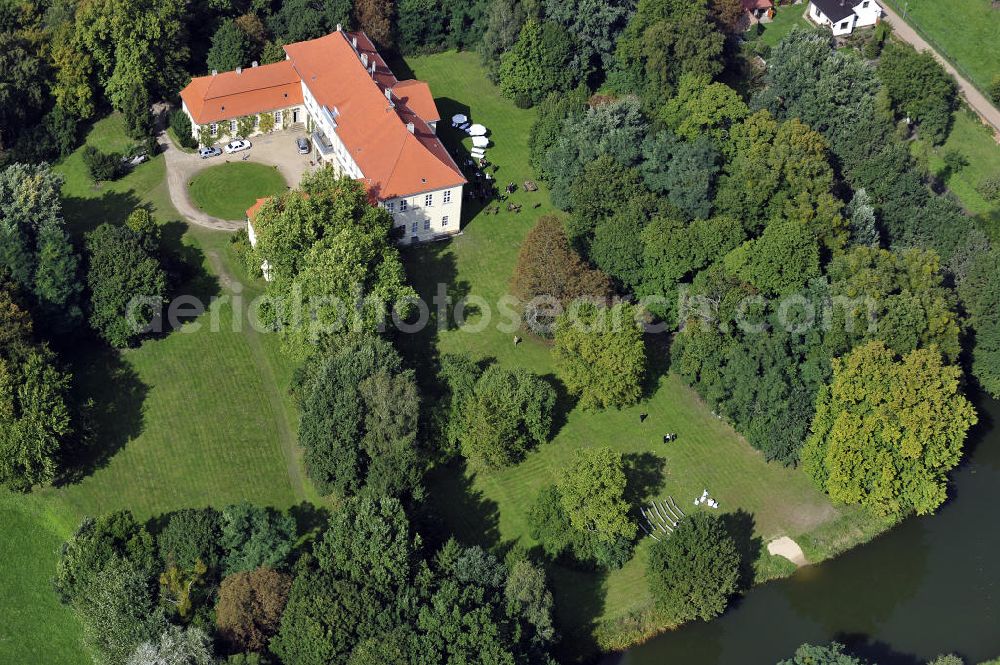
(458, 118)
(477, 130)
(480, 141)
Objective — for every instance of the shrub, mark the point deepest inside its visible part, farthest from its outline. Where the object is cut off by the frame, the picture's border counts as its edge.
(102, 166)
(989, 187)
(995, 90)
(181, 124)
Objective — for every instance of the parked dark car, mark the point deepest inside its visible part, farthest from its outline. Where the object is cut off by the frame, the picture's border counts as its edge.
(303, 145)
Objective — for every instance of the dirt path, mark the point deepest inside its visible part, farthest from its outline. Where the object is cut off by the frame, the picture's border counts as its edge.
(289, 446)
(989, 113)
(789, 549)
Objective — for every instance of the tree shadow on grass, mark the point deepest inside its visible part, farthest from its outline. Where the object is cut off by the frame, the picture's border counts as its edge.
(579, 603)
(110, 395)
(740, 526)
(644, 477)
(565, 403)
(657, 346)
(185, 263)
(455, 507)
(86, 214)
(427, 267)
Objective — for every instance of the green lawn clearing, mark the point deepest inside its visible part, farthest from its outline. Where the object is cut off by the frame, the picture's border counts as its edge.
(493, 508)
(35, 627)
(966, 31)
(227, 190)
(197, 417)
(785, 19)
(971, 138)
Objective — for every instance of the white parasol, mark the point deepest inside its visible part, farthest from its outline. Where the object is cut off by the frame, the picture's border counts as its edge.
(477, 130)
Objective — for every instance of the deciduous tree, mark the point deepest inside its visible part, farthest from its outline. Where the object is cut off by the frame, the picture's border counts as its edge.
(599, 354)
(250, 605)
(887, 431)
(592, 491)
(548, 266)
(230, 48)
(537, 64)
(508, 412)
(119, 269)
(694, 571)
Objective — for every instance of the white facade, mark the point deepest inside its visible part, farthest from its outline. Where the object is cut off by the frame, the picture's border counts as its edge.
(283, 119)
(427, 215)
(864, 13)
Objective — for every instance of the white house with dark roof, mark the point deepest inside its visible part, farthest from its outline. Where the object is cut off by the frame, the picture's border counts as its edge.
(843, 16)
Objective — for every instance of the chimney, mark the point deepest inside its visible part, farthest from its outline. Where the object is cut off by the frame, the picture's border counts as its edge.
(215, 72)
(388, 94)
(364, 60)
(340, 28)
(253, 64)
(239, 70)
(409, 127)
(354, 41)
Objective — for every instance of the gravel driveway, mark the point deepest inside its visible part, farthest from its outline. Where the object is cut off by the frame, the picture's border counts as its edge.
(277, 149)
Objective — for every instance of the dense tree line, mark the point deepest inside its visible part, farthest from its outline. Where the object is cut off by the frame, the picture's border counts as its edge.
(244, 584)
(51, 292)
(778, 235)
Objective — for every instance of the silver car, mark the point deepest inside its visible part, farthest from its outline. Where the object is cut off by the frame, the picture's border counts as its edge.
(303, 145)
(210, 151)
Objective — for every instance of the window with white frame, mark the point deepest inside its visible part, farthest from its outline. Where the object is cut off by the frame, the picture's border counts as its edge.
(232, 126)
(277, 117)
(446, 197)
(413, 227)
(390, 206)
(402, 205)
(256, 121)
(214, 129)
(427, 224)
(428, 200)
(843, 26)
(444, 221)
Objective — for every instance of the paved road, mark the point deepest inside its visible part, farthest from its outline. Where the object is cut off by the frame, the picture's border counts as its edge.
(989, 113)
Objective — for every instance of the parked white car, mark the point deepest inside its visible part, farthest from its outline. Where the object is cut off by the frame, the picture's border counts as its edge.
(238, 145)
(209, 151)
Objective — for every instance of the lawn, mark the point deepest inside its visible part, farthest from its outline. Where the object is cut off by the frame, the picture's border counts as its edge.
(493, 508)
(785, 18)
(227, 190)
(35, 627)
(197, 417)
(976, 143)
(967, 31)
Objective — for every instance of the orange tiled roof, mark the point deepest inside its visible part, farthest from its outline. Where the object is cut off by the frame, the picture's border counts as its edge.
(254, 90)
(417, 96)
(252, 210)
(394, 161)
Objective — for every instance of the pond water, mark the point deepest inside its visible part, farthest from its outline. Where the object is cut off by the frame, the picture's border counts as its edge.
(931, 585)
